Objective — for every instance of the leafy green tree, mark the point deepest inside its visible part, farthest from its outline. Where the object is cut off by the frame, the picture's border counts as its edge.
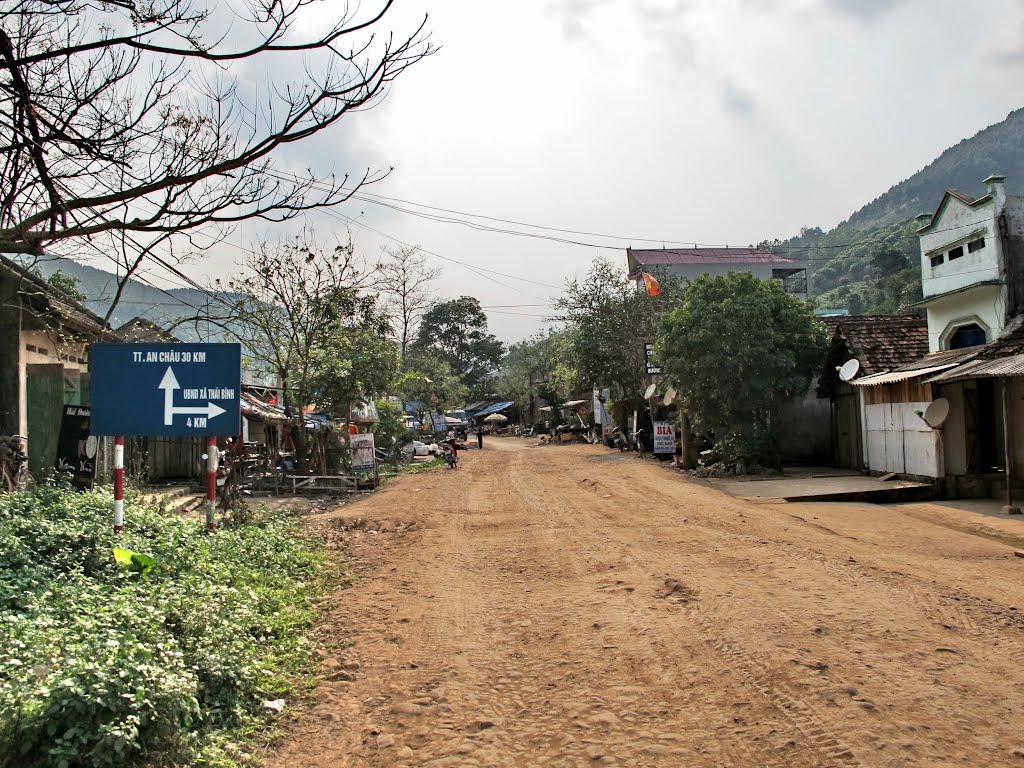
(391, 431)
(737, 349)
(428, 379)
(608, 320)
(352, 366)
(539, 371)
(456, 331)
(298, 308)
(66, 284)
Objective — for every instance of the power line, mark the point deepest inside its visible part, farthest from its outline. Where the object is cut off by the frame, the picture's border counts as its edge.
(389, 202)
(478, 270)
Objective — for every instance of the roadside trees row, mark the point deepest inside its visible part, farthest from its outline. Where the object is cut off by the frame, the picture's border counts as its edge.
(735, 348)
(337, 332)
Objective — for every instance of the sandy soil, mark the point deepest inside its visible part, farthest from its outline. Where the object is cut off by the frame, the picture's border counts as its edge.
(571, 606)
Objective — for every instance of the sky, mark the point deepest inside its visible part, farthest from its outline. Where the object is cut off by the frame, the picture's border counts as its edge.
(654, 122)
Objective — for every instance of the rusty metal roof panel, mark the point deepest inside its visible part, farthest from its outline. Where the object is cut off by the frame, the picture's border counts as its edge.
(984, 369)
(892, 377)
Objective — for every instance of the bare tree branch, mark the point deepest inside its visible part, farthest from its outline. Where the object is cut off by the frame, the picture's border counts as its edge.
(131, 117)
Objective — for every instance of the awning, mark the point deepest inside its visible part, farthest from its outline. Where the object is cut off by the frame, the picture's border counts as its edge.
(1013, 365)
(253, 407)
(493, 408)
(892, 377)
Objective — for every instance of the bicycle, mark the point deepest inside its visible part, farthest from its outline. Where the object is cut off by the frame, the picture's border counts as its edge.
(13, 463)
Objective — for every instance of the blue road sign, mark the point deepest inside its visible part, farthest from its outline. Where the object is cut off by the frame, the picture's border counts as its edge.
(165, 389)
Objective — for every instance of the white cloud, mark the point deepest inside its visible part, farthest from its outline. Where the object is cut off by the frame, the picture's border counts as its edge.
(700, 120)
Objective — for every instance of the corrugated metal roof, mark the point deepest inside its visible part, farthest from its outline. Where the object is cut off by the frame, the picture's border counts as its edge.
(984, 369)
(652, 256)
(493, 408)
(901, 375)
(949, 356)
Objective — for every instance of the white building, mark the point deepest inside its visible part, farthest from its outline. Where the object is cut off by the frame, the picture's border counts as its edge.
(967, 264)
(691, 263)
(971, 273)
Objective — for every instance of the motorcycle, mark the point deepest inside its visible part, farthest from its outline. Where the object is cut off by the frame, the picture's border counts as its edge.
(620, 441)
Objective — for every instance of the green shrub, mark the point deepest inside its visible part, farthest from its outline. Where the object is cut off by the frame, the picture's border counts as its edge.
(103, 665)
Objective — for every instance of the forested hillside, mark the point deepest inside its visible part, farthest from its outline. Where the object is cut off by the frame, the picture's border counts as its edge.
(870, 263)
(163, 307)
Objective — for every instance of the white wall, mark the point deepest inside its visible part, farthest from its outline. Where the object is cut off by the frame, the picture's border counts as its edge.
(984, 304)
(898, 440)
(55, 352)
(957, 225)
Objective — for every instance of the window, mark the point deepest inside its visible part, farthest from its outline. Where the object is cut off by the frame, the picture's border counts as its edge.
(971, 335)
(937, 260)
(976, 245)
(956, 253)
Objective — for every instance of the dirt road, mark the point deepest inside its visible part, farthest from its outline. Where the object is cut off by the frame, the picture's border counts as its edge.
(571, 606)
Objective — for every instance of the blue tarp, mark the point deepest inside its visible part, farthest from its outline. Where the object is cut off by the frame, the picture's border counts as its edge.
(493, 409)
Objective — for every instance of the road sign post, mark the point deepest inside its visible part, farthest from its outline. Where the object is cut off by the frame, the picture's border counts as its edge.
(212, 460)
(162, 390)
(119, 484)
(157, 390)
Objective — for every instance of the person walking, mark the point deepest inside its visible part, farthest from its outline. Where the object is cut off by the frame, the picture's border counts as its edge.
(480, 436)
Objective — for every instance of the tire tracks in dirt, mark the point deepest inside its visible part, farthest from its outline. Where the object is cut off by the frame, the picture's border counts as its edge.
(557, 607)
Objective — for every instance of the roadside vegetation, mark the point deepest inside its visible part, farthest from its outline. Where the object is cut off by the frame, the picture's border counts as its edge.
(154, 648)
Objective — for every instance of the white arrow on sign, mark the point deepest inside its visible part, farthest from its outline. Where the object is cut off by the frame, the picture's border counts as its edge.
(168, 384)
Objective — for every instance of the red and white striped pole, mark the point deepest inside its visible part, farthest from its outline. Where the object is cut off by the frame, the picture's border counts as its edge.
(119, 484)
(212, 456)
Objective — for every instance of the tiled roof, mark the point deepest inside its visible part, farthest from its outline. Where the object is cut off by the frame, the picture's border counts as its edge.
(1010, 344)
(665, 256)
(883, 342)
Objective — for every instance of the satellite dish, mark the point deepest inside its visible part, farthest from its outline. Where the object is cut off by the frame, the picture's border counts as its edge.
(670, 395)
(936, 413)
(849, 369)
(649, 392)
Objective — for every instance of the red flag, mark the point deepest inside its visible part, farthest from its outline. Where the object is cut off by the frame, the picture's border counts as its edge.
(651, 284)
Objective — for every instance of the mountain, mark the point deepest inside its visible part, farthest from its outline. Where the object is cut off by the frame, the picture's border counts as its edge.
(871, 261)
(163, 307)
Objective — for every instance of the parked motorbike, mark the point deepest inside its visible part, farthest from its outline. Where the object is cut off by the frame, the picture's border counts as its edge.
(451, 457)
(620, 441)
(13, 462)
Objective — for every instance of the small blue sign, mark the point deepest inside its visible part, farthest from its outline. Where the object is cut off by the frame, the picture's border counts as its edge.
(165, 389)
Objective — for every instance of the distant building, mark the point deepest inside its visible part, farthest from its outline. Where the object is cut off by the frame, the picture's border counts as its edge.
(691, 263)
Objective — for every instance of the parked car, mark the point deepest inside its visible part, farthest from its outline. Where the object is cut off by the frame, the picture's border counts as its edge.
(416, 448)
